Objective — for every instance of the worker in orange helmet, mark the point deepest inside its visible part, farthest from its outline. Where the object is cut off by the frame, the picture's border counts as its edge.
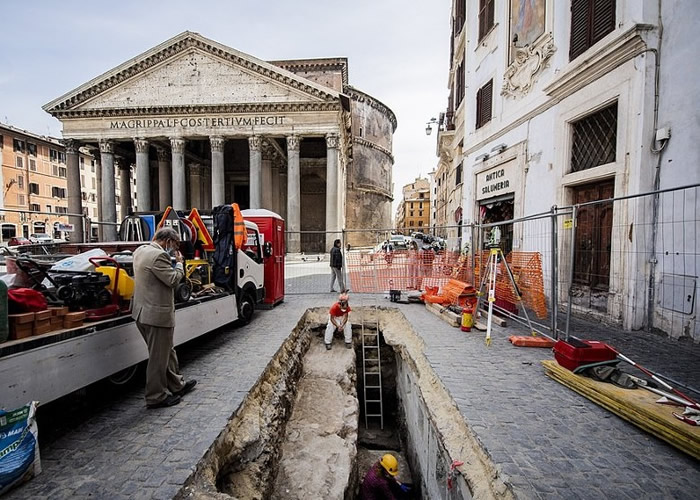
(338, 320)
(380, 481)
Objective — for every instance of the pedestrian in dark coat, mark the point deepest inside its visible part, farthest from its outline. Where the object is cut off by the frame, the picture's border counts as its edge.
(337, 267)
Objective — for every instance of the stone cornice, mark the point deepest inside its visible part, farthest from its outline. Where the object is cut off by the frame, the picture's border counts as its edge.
(582, 71)
(276, 107)
(294, 65)
(186, 41)
(369, 188)
(364, 142)
(360, 96)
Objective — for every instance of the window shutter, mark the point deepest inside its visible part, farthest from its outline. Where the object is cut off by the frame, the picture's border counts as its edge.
(579, 28)
(486, 106)
(603, 19)
(484, 98)
(478, 108)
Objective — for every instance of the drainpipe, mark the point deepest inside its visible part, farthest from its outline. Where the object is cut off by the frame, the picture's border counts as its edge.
(657, 178)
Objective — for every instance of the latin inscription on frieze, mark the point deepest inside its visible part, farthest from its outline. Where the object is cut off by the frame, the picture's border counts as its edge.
(192, 122)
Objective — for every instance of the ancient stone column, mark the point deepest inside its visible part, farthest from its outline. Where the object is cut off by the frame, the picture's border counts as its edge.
(283, 194)
(98, 188)
(218, 193)
(75, 204)
(124, 187)
(267, 157)
(178, 178)
(331, 189)
(293, 195)
(195, 185)
(274, 188)
(165, 190)
(206, 189)
(143, 175)
(254, 144)
(108, 195)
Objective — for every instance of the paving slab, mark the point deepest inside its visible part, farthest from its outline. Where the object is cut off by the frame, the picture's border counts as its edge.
(546, 440)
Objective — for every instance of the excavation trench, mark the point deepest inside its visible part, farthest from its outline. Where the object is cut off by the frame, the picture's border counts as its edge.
(301, 432)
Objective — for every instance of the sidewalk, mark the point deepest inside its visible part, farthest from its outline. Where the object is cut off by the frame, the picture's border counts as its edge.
(546, 440)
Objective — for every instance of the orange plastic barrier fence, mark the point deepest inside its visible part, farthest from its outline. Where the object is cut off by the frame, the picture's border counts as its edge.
(527, 272)
(375, 272)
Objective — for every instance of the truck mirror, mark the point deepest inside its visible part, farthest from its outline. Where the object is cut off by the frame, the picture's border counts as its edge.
(267, 249)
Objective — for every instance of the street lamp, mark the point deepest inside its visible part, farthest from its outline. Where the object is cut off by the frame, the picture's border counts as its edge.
(429, 125)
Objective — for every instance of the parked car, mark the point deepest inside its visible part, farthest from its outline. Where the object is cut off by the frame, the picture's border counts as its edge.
(17, 241)
(40, 238)
(398, 242)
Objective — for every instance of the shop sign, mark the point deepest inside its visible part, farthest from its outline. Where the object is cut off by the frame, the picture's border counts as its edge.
(496, 181)
(65, 228)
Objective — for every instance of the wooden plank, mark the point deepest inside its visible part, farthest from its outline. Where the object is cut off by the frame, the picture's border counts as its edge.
(494, 318)
(445, 314)
(637, 406)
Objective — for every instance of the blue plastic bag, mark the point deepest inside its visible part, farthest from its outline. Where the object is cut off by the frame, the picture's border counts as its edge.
(19, 446)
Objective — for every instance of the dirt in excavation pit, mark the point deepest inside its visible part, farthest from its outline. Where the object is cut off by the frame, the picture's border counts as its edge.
(319, 446)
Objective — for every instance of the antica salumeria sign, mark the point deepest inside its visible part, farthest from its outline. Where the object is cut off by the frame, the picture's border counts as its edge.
(496, 181)
(200, 121)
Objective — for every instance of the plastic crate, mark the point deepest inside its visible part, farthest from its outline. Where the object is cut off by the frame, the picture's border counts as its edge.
(575, 353)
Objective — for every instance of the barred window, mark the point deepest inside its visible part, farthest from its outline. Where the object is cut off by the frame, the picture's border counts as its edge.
(594, 139)
(591, 20)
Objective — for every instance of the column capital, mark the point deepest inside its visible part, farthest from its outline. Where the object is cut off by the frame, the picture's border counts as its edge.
(141, 145)
(268, 150)
(107, 146)
(255, 142)
(293, 142)
(196, 169)
(178, 144)
(332, 141)
(162, 153)
(121, 163)
(71, 146)
(217, 143)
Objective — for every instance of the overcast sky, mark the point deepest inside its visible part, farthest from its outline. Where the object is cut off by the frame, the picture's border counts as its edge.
(397, 51)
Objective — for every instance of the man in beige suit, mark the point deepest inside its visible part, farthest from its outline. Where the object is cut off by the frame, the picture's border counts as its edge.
(153, 308)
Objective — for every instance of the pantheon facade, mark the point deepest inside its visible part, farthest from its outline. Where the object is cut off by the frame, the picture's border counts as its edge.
(200, 124)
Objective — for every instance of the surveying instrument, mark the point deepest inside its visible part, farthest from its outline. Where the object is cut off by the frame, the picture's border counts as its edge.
(490, 274)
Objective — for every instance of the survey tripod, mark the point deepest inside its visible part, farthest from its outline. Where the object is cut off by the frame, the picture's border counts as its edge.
(489, 278)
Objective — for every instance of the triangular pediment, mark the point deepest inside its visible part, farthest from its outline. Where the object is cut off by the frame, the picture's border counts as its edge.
(190, 70)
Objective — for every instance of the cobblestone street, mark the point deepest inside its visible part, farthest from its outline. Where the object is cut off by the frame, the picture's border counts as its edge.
(547, 441)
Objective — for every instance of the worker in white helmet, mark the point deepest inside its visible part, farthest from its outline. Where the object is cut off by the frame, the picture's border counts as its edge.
(338, 319)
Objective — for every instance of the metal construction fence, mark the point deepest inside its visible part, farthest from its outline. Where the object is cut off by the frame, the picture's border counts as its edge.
(630, 263)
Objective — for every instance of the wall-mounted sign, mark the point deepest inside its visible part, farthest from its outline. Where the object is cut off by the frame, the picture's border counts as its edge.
(496, 181)
(65, 228)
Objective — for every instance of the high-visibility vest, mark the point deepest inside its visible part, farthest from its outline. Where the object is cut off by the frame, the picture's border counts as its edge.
(239, 232)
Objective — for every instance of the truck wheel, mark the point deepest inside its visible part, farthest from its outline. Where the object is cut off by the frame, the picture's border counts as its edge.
(124, 376)
(246, 308)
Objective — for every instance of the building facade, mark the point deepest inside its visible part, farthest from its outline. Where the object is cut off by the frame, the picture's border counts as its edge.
(205, 124)
(413, 212)
(573, 101)
(449, 178)
(33, 180)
